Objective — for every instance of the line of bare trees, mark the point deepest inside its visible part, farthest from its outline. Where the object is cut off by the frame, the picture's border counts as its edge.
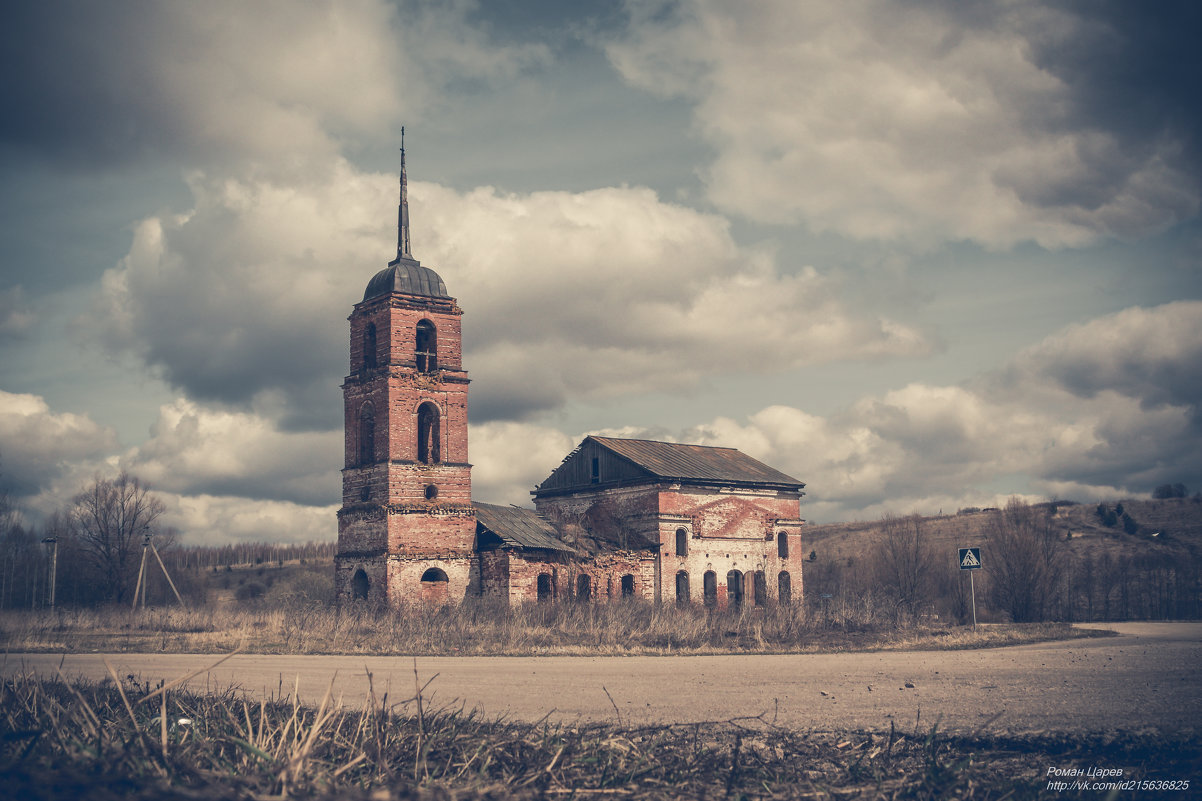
(94, 546)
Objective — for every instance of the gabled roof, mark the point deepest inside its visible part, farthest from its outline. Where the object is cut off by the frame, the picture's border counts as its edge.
(674, 460)
(611, 461)
(519, 528)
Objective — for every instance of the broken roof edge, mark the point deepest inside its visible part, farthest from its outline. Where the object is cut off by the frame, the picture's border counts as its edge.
(520, 528)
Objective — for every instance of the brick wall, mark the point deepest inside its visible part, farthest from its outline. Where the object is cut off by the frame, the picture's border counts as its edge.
(726, 530)
(405, 583)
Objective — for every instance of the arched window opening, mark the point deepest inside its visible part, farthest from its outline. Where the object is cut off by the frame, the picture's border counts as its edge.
(584, 587)
(369, 346)
(628, 586)
(761, 588)
(428, 437)
(782, 545)
(435, 586)
(784, 588)
(545, 591)
(365, 493)
(427, 347)
(359, 585)
(734, 589)
(682, 542)
(682, 588)
(367, 434)
(710, 586)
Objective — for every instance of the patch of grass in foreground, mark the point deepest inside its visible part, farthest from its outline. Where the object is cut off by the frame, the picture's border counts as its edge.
(105, 741)
(482, 628)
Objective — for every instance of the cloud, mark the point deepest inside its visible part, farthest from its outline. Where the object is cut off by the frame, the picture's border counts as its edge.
(218, 520)
(197, 451)
(614, 292)
(509, 458)
(1031, 427)
(596, 294)
(274, 83)
(16, 314)
(920, 123)
(41, 449)
(1147, 354)
(244, 299)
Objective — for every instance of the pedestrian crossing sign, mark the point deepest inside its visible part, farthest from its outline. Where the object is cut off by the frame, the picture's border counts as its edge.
(970, 558)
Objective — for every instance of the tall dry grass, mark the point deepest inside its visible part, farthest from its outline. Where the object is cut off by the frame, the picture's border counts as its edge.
(482, 627)
(120, 739)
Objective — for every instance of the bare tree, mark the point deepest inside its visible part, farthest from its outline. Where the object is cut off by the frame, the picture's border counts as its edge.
(905, 562)
(1025, 561)
(111, 517)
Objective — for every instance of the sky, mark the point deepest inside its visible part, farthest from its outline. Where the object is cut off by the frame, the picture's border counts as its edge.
(919, 255)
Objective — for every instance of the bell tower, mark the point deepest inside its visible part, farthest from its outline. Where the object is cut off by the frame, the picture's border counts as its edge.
(406, 529)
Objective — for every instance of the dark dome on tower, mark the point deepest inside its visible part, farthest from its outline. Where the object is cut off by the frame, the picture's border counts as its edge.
(407, 276)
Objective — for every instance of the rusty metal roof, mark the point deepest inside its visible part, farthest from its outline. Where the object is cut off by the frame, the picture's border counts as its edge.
(519, 528)
(672, 460)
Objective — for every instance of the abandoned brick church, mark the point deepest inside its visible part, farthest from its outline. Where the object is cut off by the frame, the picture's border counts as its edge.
(619, 518)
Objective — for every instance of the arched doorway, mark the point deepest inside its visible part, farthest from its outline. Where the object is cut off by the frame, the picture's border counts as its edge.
(584, 587)
(710, 585)
(734, 589)
(682, 588)
(761, 588)
(784, 588)
(360, 585)
(628, 586)
(435, 586)
(545, 588)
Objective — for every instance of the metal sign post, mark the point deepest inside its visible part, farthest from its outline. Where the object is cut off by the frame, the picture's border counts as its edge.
(970, 560)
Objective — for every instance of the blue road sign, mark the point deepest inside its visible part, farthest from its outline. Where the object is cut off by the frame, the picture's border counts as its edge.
(970, 558)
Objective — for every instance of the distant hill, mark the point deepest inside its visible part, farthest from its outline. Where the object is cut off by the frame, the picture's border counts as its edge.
(1123, 559)
(1160, 527)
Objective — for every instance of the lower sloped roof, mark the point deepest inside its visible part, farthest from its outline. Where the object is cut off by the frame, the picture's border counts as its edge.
(519, 528)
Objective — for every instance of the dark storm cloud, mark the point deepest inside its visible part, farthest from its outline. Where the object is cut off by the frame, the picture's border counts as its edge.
(243, 301)
(1150, 355)
(1133, 72)
(937, 121)
(1135, 69)
(79, 82)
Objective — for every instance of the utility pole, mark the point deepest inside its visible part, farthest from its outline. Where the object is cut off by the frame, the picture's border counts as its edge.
(52, 544)
(144, 578)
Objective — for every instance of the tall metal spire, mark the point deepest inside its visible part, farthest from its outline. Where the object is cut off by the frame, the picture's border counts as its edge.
(402, 242)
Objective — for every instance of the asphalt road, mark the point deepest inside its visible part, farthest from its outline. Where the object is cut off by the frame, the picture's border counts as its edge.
(1148, 677)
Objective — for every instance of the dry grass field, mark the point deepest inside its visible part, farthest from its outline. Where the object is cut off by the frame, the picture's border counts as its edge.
(484, 628)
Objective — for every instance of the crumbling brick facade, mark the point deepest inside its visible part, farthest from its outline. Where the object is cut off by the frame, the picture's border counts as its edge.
(711, 545)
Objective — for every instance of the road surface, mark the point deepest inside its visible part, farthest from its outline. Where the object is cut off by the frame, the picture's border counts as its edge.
(1148, 677)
